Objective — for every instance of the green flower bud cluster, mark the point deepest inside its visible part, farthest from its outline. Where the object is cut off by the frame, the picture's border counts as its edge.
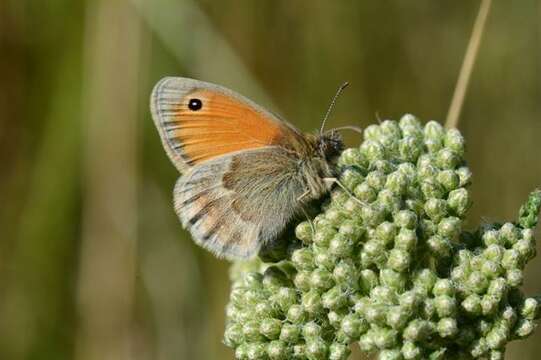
(386, 264)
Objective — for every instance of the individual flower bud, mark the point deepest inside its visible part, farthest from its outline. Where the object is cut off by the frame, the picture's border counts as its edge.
(335, 216)
(406, 219)
(406, 239)
(490, 269)
(514, 277)
(365, 193)
(397, 182)
(321, 279)
(290, 333)
(409, 148)
(460, 273)
(439, 246)
(447, 159)
(299, 351)
(270, 328)
(373, 215)
(489, 305)
(241, 352)
(311, 302)
(472, 304)
(529, 212)
(334, 299)
(397, 317)
(410, 351)
(338, 197)
(492, 237)
(323, 236)
(424, 280)
(409, 120)
(393, 280)
(303, 259)
(346, 273)
(376, 314)
(385, 232)
(477, 282)
(510, 233)
(389, 202)
(410, 300)
(385, 338)
(351, 177)
(366, 342)
(390, 128)
(284, 298)
(376, 179)
(445, 306)
(494, 253)
(374, 248)
(436, 209)
(372, 150)
(388, 354)
(447, 327)
(296, 314)
(316, 349)
(497, 337)
(368, 280)
(459, 201)
(324, 259)
(384, 166)
(233, 335)
(415, 205)
(449, 227)
(428, 227)
(383, 295)
(448, 179)
(418, 330)
(511, 259)
(339, 351)
(302, 280)
(372, 132)
(454, 141)
(399, 260)
(278, 350)
(525, 328)
(351, 229)
(250, 331)
(530, 308)
(351, 325)
(254, 296)
(464, 175)
(407, 169)
(265, 309)
(428, 309)
(444, 287)
(526, 249)
(352, 157)
(311, 330)
(304, 232)
(479, 348)
(341, 246)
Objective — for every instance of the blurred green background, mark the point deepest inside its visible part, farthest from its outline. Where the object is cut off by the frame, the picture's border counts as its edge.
(93, 262)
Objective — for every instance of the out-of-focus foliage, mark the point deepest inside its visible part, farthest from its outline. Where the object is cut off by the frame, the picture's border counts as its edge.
(93, 262)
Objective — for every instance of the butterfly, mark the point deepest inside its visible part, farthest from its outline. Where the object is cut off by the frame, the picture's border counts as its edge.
(246, 173)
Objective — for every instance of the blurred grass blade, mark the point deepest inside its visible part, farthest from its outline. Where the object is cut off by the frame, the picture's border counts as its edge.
(107, 269)
(467, 65)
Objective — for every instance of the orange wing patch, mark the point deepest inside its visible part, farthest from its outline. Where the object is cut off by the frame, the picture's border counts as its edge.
(221, 125)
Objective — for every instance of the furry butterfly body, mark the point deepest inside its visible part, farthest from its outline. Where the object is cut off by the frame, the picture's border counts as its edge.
(245, 172)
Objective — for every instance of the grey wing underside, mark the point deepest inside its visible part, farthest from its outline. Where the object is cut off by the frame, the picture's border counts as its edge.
(234, 204)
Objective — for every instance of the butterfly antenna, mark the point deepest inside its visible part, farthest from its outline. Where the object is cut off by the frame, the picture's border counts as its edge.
(331, 106)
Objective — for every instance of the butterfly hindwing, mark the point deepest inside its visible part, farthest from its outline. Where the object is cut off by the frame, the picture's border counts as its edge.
(234, 204)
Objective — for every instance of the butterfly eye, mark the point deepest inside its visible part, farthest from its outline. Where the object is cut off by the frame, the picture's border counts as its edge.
(195, 104)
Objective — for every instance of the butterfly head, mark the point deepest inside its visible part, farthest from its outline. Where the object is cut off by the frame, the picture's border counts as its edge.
(329, 145)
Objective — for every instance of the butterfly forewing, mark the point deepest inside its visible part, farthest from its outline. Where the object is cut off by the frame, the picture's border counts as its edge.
(199, 121)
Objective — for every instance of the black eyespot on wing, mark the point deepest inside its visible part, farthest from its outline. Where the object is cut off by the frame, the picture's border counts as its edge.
(195, 104)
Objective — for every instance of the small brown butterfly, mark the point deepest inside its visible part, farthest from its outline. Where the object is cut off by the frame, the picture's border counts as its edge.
(246, 173)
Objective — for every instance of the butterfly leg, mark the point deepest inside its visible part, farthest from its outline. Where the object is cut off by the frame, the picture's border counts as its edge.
(331, 181)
